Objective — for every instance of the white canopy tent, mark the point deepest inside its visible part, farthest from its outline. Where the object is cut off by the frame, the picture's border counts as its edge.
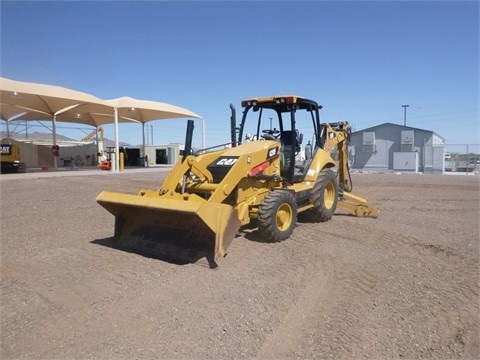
(31, 101)
(127, 109)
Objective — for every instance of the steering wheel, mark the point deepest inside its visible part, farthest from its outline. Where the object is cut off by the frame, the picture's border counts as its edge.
(271, 134)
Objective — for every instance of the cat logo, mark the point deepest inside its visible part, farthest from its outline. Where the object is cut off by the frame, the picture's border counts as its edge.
(6, 150)
(227, 161)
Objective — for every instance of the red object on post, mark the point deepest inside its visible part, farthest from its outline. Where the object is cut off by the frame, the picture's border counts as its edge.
(55, 150)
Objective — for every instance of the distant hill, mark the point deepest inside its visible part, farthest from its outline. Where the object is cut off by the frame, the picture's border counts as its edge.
(48, 136)
(33, 136)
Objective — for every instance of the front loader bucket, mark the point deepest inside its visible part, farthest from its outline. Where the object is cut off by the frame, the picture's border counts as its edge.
(184, 231)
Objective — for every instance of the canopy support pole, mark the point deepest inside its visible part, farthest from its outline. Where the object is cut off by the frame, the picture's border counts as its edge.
(8, 131)
(143, 138)
(54, 129)
(117, 145)
(97, 147)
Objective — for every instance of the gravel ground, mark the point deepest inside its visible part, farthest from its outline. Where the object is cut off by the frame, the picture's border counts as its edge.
(403, 286)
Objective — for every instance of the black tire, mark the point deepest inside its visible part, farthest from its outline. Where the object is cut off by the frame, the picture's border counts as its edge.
(277, 216)
(324, 197)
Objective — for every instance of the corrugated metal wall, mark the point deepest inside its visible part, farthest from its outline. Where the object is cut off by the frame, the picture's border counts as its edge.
(389, 139)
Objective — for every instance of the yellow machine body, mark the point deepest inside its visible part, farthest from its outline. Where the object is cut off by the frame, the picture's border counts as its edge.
(10, 159)
(208, 196)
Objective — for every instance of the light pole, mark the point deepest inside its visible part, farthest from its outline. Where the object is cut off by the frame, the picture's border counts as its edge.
(151, 132)
(405, 114)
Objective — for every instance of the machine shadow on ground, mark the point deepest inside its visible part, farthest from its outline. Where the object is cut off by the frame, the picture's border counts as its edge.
(183, 258)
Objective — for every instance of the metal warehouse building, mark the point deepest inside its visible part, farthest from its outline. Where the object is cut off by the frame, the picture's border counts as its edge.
(392, 147)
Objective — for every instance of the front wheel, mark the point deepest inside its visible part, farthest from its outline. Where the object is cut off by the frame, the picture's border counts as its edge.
(324, 197)
(277, 216)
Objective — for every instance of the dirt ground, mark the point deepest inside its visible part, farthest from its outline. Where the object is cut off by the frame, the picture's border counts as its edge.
(403, 286)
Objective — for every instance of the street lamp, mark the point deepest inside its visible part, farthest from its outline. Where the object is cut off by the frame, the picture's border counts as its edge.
(405, 114)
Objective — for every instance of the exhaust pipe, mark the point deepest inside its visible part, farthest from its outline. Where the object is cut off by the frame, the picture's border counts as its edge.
(233, 126)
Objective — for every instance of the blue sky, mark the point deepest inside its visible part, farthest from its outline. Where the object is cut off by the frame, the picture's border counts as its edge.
(360, 60)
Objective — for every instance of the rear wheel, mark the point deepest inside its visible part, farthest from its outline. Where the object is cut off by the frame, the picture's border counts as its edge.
(277, 216)
(324, 197)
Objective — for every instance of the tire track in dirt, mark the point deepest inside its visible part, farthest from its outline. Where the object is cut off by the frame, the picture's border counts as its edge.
(322, 305)
(451, 307)
(288, 335)
(394, 254)
(326, 281)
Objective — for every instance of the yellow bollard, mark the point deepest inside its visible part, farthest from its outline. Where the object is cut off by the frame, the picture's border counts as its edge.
(121, 161)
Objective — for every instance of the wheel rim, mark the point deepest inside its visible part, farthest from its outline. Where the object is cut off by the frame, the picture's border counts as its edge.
(284, 217)
(329, 195)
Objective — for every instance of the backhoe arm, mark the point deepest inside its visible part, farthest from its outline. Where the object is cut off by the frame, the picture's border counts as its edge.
(338, 134)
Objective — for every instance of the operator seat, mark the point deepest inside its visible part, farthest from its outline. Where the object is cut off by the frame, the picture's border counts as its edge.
(286, 139)
(288, 148)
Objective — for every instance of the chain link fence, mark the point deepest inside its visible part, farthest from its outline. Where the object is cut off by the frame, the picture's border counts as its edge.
(462, 158)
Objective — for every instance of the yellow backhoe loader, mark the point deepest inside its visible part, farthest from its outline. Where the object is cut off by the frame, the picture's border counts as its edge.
(263, 175)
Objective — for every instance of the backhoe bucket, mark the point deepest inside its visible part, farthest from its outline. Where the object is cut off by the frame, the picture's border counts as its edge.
(184, 231)
(357, 205)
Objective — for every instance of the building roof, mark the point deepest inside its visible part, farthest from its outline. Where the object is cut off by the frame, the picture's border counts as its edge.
(398, 126)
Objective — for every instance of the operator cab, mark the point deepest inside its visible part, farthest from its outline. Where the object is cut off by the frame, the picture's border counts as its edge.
(285, 119)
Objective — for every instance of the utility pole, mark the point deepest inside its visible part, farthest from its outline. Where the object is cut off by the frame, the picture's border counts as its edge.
(405, 114)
